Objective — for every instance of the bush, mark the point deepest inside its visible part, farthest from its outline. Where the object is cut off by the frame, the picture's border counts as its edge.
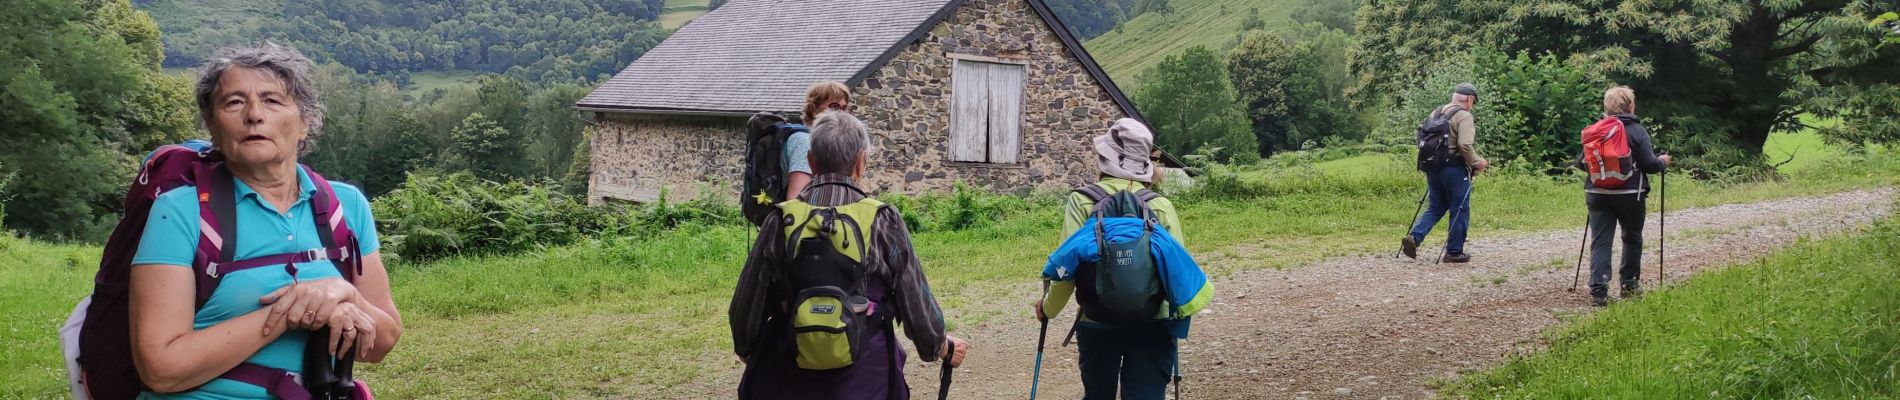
(1530, 108)
(1535, 108)
(963, 209)
(433, 215)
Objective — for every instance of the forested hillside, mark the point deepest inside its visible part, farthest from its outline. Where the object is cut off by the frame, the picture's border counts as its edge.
(537, 40)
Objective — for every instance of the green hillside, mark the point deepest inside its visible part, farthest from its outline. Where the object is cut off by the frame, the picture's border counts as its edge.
(1142, 42)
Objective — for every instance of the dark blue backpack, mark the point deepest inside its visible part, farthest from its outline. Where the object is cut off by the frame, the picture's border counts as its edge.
(1124, 287)
(1436, 147)
(763, 185)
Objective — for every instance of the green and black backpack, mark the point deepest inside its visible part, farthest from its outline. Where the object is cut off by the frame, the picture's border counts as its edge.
(831, 316)
(1124, 287)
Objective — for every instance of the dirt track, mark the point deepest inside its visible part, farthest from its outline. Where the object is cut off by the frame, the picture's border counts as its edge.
(1373, 326)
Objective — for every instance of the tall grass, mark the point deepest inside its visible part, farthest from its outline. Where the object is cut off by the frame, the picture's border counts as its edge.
(39, 284)
(1816, 321)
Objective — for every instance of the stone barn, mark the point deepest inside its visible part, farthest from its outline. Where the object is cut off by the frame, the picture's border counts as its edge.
(994, 93)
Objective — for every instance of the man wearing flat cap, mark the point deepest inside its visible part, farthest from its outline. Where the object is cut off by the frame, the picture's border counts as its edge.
(1449, 169)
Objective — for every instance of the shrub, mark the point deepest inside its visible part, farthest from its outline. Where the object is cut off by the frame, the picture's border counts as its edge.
(963, 208)
(1530, 109)
(433, 215)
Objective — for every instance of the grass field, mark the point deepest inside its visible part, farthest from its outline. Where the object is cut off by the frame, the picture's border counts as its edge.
(1801, 150)
(1817, 321)
(426, 81)
(679, 12)
(1143, 41)
(625, 316)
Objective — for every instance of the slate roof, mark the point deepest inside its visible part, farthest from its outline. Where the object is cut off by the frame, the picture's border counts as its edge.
(761, 55)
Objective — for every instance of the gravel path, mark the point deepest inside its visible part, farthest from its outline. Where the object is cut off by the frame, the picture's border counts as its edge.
(1378, 327)
(1371, 327)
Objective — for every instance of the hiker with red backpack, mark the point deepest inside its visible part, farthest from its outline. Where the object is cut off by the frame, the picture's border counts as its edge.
(1618, 155)
(238, 273)
(1123, 259)
(815, 309)
(1448, 156)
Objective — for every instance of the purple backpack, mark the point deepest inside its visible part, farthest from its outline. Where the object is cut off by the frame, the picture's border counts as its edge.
(96, 336)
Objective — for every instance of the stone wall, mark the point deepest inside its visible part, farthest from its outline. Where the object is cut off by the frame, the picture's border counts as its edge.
(906, 103)
(635, 156)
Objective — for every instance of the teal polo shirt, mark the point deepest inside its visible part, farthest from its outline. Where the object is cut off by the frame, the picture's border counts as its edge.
(171, 238)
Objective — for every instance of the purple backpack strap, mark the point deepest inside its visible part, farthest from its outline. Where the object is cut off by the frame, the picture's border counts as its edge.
(217, 232)
(279, 383)
(217, 228)
(338, 240)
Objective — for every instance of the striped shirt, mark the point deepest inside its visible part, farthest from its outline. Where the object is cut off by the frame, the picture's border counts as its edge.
(890, 261)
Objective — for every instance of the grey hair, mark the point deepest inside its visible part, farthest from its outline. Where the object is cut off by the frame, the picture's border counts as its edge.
(837, 139)
(284, 62)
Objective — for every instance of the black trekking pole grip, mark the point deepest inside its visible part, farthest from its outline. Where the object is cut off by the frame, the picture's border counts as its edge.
(943, 390)
(345, 386)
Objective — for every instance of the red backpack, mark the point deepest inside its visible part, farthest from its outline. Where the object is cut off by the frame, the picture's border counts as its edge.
(96, 336)
(1606, 154)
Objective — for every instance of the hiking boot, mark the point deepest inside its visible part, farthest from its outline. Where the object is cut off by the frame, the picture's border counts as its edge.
(1632, 292)
(1456, 258)
(1599, 301)
(1409, 246)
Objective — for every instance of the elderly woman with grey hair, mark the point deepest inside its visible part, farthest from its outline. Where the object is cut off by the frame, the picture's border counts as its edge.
(892, 279)
(247, 339)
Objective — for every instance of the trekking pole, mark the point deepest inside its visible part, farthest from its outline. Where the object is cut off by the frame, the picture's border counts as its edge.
(1578, 276)
(1414, 220)
(1177, 369)
(1662, 241)
(1041, 338)
(943, 390)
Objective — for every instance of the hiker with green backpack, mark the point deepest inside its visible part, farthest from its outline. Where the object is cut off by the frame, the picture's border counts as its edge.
(1123, 259)
(814, 312)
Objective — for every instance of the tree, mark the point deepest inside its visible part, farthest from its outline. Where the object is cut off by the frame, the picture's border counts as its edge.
(554, 127)
(80, 97)
(1162, 7)
(486, 149)
(1190, 103)
(1292, 92)
(1716, 76)
(1334, 14)
(1253, 21)
(1259, 68)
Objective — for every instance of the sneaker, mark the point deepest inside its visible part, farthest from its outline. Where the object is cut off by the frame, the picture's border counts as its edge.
(1409, 246)
(1456, 258)
(1599, 301)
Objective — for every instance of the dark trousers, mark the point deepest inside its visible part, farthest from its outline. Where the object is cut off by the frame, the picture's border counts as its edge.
(1607, 212)
(1449, 193)
(1140, 357)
